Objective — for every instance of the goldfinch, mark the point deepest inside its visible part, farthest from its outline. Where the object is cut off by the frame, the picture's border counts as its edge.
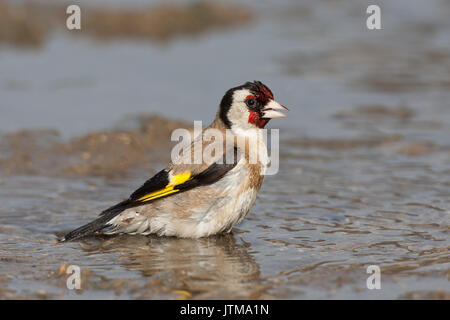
(193, 200)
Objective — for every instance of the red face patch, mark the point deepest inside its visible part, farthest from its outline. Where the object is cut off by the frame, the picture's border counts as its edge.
(262, 95)
(254, 118)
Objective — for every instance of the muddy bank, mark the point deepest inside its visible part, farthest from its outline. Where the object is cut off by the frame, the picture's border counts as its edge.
(20, 27)
(106, 153)
(377, 112)
(146, 143)
(386, 144)
(29, 24)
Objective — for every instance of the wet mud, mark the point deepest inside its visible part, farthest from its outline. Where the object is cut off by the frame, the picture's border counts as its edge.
(29, 24)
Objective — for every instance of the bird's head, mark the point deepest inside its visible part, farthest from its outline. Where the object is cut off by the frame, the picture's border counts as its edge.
(249, 106)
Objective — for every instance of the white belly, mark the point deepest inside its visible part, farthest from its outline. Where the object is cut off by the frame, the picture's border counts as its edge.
(223, 218)
(226, 211)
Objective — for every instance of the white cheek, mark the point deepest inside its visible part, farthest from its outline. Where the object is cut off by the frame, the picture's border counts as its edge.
(238, 113)
(238, 116)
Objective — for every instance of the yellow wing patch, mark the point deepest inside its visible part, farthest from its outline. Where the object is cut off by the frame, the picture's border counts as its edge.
(170, 188)
(180, 178)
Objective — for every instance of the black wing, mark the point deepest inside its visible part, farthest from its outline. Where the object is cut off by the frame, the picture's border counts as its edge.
(160, 186)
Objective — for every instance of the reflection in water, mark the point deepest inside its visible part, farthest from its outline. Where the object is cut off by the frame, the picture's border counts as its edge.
(211, 268)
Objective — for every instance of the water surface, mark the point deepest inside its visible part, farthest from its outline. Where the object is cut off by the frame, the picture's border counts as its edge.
(364, 159)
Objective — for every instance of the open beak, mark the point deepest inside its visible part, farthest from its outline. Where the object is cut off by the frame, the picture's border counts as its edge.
(270, 110)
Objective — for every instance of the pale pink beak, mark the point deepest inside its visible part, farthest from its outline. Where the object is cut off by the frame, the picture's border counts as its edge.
(270, 110)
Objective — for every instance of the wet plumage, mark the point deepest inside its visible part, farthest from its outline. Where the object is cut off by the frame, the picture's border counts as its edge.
(198, 200)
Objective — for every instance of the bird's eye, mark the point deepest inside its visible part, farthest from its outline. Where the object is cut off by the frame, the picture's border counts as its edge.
(250, 102)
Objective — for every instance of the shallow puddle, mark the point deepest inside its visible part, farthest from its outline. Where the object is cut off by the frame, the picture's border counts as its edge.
(364, 173)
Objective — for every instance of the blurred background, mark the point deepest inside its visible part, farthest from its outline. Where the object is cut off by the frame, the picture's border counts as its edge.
(86, 117)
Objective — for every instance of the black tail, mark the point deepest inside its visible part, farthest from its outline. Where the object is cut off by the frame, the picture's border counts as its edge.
(87, 229)
(98, 224)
